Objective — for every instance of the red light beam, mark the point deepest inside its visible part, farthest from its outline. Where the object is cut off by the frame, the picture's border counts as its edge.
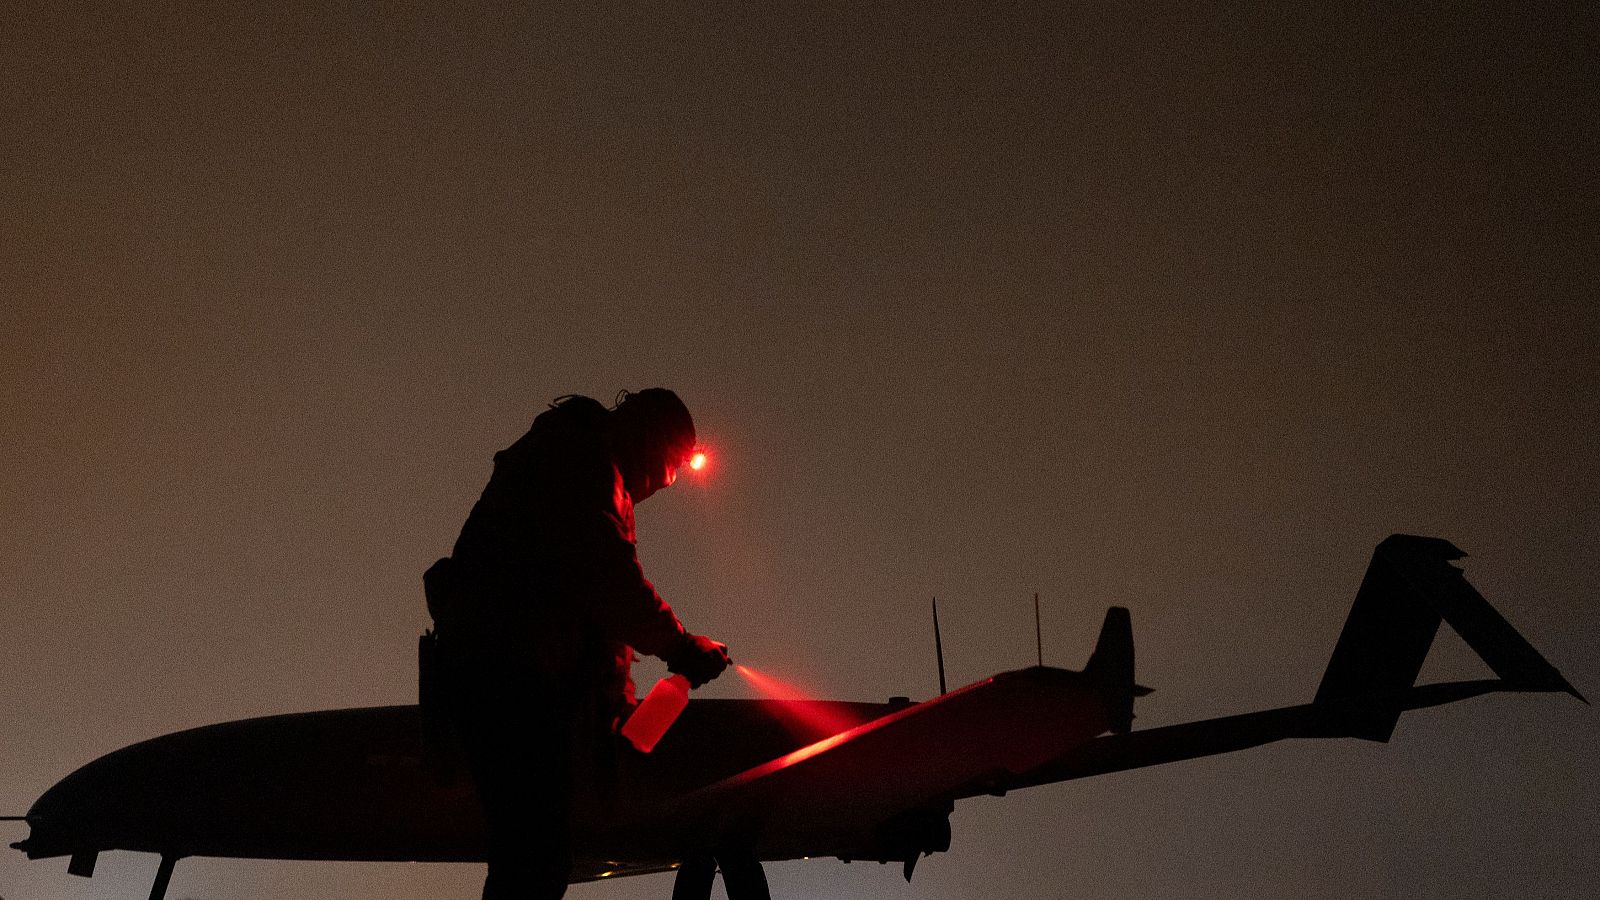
(797, 705)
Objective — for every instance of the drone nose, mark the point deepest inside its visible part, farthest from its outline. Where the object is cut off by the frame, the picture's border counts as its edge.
(61, 821)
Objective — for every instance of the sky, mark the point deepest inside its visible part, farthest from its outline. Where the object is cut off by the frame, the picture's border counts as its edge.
(1178, 307)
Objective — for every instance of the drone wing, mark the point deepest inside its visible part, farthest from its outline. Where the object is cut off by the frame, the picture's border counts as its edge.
(858, 793)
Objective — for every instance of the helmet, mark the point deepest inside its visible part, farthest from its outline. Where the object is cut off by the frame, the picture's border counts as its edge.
(659, 421)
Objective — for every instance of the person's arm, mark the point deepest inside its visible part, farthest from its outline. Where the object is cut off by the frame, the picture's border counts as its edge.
(603, 563)
(597, 535)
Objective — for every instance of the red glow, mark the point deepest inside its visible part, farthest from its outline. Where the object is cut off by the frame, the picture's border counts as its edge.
(697, 462)
(797, 705)
(770, 687)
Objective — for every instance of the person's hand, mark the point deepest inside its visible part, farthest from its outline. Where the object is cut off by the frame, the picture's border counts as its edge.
(699, 659)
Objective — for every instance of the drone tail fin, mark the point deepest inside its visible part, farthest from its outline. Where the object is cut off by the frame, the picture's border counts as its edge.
(1410, 588)
(1111, 667)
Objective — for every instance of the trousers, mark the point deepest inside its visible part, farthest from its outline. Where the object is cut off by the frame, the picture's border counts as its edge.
(521, 733)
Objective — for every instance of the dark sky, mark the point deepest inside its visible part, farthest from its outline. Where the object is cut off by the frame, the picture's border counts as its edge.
(1172, 308)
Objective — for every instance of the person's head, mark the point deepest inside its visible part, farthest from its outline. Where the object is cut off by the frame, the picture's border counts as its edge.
(652, 434)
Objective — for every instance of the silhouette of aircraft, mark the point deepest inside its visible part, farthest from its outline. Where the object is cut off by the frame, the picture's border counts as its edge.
(737, 782)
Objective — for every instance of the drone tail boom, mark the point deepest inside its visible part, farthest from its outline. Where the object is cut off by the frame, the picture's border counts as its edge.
(1410, 588)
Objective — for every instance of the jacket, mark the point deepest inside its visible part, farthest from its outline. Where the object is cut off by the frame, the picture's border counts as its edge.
(545, 577)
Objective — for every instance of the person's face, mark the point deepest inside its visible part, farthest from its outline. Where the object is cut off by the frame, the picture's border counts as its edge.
(654, 475)
(647, 468)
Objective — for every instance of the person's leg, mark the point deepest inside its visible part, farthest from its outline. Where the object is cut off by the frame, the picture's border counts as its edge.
(530, 855)
(695, 877)
(519, 747)
(743, 877)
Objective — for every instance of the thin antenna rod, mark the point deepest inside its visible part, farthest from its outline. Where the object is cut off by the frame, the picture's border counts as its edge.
(938, 644)
(1038, 633)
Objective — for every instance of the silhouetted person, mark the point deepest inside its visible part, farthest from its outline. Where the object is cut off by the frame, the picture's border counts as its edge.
(539, 609)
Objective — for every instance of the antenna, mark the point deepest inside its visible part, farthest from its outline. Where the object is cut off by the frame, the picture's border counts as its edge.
(938, 644)
(1038, 633)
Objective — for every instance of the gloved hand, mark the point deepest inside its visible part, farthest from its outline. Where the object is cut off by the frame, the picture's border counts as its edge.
(698, 659)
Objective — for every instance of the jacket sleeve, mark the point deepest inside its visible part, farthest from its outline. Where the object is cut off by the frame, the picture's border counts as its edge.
(604, 566)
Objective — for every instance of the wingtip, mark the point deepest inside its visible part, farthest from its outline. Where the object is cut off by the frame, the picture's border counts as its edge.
(1555, 682)
(1562, 684)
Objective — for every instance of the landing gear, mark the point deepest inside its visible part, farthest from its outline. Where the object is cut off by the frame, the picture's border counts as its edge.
(82, 865)
(163, 877)
(742, 877)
